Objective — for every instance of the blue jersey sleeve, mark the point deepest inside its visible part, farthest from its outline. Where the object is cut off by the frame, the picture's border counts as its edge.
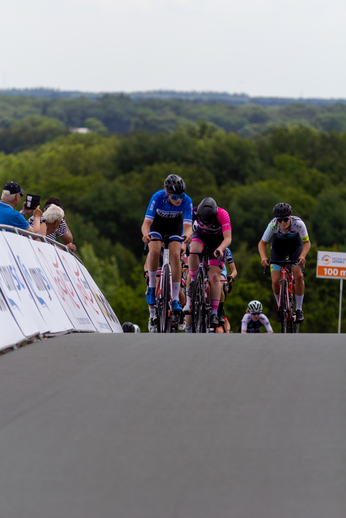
(228, 256)
(152, 207)
(187, 208)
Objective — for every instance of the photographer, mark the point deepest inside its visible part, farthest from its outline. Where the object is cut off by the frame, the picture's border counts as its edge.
(62, 231)
(10, 198)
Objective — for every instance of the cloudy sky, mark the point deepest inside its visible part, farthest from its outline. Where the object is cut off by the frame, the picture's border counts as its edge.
(293, 48)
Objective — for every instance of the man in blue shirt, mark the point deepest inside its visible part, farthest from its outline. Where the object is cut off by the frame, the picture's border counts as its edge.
(169, 213)
(10, 198)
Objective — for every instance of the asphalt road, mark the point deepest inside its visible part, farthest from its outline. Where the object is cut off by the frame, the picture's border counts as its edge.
(186, 426)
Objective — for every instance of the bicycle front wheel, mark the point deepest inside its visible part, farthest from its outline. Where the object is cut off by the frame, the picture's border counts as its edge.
(198, 297)
(283, 308)
(164, 324)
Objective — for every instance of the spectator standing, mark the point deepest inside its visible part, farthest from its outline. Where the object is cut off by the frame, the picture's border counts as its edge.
(10, 198)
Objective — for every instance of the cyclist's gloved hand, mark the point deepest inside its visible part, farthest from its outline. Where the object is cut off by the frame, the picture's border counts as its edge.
(220, 253)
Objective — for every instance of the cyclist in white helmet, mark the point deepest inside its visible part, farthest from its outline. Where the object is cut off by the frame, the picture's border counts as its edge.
(128, 327)
(254, 319)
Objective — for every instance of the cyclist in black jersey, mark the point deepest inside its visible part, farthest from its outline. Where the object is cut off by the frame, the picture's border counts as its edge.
(290, 239)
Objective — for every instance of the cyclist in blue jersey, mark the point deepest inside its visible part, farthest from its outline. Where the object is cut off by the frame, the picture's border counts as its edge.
(169, 214)
(290, 239)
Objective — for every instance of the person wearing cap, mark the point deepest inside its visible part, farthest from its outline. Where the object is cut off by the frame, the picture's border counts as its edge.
(10, 198)
(60, 230)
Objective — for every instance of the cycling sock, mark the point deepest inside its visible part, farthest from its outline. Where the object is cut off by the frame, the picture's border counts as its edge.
(176, 289)
(299, 301)
(193, 274)
(214, 306)
(277, 299)
(152, 279)
(152, 312)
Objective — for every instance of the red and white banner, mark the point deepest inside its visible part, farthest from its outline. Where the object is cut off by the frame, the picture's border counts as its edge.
(18, 296)
(73, 269)
(44, 289)
(102, 301)
(47, 256)
(48, 303)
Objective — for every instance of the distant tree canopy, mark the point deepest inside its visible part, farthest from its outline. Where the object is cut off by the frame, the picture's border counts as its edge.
(122, 114)
(105, 183)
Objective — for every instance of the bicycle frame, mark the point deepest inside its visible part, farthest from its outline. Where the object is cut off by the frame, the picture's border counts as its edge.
(167, 320)
(201, 300)
(287, 287)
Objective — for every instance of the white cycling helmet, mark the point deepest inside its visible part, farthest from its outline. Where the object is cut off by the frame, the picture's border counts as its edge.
(255, 306)
(128, 327)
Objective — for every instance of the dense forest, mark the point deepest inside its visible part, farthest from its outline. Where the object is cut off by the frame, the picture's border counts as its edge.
(105, 181)
(28, 121)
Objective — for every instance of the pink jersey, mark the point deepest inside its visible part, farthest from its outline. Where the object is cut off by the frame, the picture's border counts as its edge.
(220, 225)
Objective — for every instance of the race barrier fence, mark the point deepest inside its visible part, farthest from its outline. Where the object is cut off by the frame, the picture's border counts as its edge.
(45, 290)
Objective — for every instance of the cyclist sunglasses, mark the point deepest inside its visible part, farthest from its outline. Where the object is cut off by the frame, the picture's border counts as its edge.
(279, 220)
(176, 197)
(255, 312)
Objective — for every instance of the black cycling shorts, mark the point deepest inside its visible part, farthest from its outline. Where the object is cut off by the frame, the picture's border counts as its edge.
(172, 227)
(210, 241)
(283, 248)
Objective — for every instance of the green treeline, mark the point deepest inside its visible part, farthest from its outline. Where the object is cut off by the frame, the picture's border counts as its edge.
(105, 183)
(29, 121)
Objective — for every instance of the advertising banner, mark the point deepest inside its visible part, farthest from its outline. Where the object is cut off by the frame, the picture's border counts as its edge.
(48, 258)
(18, 296)
(10, 333)
(331, 265)
(40, 286)
(73, 269)
(105, 307)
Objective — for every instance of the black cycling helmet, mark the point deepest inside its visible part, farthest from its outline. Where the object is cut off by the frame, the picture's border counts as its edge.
(174, 184)
(207, 211)
(128, 327)
(282, 210)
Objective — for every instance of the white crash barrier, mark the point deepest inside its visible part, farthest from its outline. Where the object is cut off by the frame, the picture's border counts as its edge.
(46, 290)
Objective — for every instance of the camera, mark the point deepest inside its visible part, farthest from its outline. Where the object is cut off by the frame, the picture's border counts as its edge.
(32, 201)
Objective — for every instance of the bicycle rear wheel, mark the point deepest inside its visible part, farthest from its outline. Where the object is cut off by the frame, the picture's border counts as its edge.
(198, 297)
(164, 320)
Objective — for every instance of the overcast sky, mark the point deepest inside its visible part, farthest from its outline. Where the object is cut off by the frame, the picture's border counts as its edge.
(295, 48)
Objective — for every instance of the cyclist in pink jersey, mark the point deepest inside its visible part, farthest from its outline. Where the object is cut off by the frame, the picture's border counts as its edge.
(214, 232)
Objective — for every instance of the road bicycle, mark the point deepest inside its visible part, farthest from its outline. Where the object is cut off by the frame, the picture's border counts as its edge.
(167, 320)
(200, 301)
(285, 307)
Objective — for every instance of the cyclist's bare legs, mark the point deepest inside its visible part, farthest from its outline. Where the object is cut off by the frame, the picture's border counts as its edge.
(174, 258)
(299, 284)
(276, 275)
(196, 248)
(153, 259)
(215, 277)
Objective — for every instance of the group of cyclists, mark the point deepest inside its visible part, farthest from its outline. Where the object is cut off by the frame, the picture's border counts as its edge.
(171, 213)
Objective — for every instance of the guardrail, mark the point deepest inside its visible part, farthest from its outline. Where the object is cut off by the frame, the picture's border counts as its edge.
(46, 290)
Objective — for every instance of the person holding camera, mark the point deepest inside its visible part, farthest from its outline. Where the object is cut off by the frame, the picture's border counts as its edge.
(61, 230)
(10, 198)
